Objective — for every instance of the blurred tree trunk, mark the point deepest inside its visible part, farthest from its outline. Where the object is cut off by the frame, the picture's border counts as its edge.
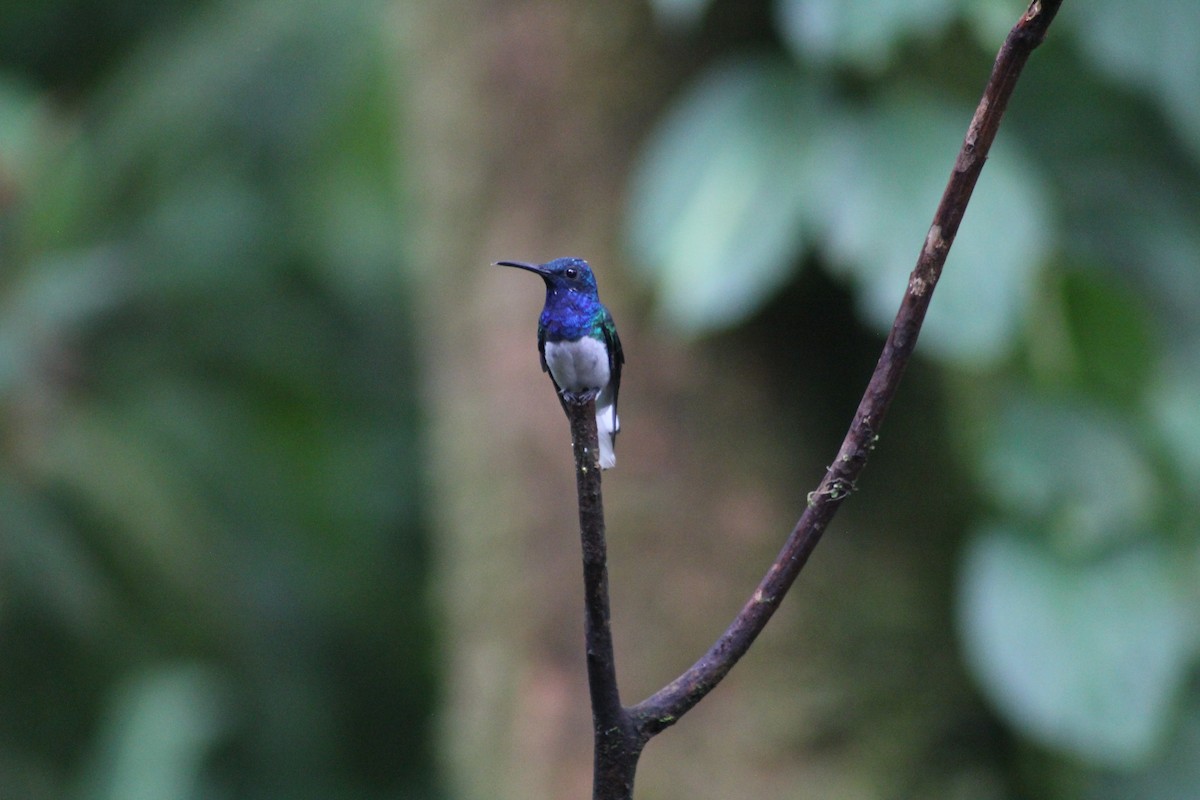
(523, 118)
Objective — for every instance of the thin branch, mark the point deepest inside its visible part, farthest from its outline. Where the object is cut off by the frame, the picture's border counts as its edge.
(621, 733)
(617, 743)
(666, 706)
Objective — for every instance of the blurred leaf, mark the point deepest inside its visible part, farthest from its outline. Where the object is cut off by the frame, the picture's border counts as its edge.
(46, 305)
(64, 580)
(884, 172)
(344, 217)
(1149, 231)
(680, 13)
(160, 728)
(1125, 192)
(259, 80)
(69, 44)
(212, 229)
(1074, 472)
(720, 191)
(147, 509)
(1156, 49)
(1174, 776)
(1111, 349)
(1086, 656)
(1174, 406)
(756, 156)
(990, 20)
(864, 33)
(41, 185)
(22, 126)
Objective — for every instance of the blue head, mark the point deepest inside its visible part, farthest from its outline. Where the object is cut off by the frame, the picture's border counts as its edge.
(573, 306)
(561, 275)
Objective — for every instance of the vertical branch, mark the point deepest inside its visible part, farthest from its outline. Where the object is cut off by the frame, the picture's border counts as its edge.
(617, 743)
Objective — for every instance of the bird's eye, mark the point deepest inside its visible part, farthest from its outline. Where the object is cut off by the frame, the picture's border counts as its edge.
(571, 272)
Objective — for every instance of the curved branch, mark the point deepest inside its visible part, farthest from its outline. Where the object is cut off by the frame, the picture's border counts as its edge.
(666, 706)
(621, 733)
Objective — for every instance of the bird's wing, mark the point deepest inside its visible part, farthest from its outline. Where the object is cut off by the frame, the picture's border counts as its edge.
(616, 358)
(546, 369)
(542, 349)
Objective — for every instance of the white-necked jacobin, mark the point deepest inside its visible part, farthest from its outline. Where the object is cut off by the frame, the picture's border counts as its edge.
(579, 345)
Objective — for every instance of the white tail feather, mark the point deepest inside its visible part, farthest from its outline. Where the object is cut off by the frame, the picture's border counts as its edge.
(607, 426)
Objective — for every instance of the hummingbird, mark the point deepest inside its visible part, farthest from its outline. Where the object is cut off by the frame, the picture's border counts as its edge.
(578, 343)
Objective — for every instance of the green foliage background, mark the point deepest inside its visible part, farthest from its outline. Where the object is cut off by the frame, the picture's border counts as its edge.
(212, 563)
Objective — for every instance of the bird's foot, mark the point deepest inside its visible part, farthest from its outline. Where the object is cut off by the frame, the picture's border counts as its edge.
(580, 398)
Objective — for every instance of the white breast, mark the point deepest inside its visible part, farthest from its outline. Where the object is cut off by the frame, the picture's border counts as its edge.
(578, 366)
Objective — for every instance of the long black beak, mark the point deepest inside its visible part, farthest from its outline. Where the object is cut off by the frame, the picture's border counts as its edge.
(522, 265)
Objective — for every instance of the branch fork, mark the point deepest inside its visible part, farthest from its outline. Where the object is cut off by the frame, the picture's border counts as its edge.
(621, 732)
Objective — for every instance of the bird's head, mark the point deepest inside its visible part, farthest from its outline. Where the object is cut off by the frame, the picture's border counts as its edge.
(564, 274)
